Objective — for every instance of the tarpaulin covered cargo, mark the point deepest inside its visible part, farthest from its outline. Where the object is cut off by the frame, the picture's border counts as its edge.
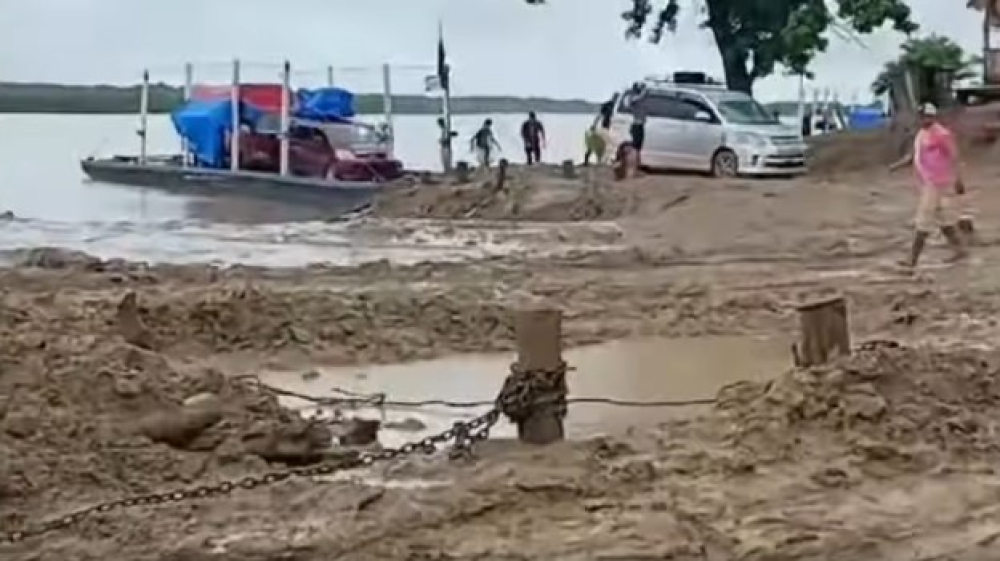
(325, 105)
(204, 124)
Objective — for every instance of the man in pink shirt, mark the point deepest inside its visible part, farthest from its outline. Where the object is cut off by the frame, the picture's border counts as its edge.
(935, 159)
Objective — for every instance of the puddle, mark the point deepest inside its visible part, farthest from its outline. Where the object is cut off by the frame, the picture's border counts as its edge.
(640, 370)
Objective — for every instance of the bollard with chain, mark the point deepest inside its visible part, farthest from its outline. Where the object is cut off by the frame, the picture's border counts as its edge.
(535, 392)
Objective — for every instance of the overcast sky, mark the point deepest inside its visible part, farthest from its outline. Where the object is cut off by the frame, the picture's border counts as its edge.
(569, 48)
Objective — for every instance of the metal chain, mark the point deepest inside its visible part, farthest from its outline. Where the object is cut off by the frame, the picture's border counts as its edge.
(525, 390)
(522, 392)
(464, 435)
(876, 344)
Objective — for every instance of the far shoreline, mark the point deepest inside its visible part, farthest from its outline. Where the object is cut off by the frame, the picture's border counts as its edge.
(63, 99)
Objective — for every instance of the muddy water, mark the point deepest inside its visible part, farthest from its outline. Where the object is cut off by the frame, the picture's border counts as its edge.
(641, 370)
(294, 244)
(41, 183)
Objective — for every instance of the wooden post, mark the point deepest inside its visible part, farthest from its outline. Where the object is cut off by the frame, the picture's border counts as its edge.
(539, 348)
(825, 331)
(130, 325)
(568, 169)
(462, 172)
(501, 174)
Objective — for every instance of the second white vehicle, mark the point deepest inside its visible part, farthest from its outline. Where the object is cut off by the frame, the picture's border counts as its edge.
(694, 124)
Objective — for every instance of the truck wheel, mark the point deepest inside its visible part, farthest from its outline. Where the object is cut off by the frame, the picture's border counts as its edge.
(725, 163)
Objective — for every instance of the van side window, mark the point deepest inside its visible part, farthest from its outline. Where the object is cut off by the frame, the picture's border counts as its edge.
(664, 107)
(692, 107)
(625, 107)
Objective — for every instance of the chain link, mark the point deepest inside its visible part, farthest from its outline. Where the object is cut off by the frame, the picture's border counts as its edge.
(522, 392)
(877, 344)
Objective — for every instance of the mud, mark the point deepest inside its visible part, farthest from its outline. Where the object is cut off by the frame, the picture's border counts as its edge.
(119, 377)
(534, 194)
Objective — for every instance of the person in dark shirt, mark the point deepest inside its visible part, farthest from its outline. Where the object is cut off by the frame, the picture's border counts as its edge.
(637, 132)
(483, 143)
(533, 136)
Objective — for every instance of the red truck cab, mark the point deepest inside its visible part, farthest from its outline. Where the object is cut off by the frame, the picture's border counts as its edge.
(310, 154)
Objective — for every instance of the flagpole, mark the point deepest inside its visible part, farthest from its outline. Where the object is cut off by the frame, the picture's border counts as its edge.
(444, 78)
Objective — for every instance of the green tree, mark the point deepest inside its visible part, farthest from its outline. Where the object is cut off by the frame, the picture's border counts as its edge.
(927, 58)
(756, 37)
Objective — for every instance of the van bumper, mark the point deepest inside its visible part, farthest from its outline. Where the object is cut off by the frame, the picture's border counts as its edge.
(787, 161)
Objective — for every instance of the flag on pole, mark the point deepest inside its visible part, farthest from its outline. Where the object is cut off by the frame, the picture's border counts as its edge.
(442, 60)
(432, 83)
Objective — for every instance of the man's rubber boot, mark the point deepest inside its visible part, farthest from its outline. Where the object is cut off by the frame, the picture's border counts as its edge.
(917, 248)
(955, 241)
(968, 230)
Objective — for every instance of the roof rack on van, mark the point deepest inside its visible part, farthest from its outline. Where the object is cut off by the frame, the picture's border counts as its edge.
(685, 78)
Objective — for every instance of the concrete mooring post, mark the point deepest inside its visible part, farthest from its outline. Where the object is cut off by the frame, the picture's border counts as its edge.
(825, 332)
(501, 178)
(462, 172)
(568, 169)
(539, 353)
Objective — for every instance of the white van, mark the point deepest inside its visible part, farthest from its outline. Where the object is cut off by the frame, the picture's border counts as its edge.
(695, 124)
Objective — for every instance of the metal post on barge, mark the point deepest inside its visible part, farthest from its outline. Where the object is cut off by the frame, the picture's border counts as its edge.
(387, 106)
(329, 77)
(188, 89)
(802, 106)
(234, 138)
(286, 84)
(988, 55)
(446, 110)
(444, 80)
(143, 117)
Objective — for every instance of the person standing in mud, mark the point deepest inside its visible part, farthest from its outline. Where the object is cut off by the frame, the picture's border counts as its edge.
(637, 131)
(935, 159)
(533, 137)
(483, 144)
(597, 137)
(444, 142)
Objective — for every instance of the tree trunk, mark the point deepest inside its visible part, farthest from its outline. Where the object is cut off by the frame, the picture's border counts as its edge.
(734, 63)
(734, 58)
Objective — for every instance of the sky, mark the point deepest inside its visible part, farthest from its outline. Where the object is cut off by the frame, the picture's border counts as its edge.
(565, 49)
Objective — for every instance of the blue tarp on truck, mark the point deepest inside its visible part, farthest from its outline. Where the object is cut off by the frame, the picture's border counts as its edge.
(204, 124)
(325, 104)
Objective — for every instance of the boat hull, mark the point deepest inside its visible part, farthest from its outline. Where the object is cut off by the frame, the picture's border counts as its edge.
(334, 196)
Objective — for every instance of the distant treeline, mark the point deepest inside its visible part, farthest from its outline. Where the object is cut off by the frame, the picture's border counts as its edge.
(163, 98)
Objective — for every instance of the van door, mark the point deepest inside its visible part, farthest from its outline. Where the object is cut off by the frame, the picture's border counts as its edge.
(701, 134)
(664, 132)
(621, 120)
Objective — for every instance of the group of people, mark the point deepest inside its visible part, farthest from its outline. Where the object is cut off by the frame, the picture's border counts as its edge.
(597, 139)
(485, 146)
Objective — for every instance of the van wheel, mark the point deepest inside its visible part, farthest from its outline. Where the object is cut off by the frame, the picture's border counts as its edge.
(725, 163)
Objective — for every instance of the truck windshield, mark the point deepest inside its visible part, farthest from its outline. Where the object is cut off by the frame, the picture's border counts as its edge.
(745, 111)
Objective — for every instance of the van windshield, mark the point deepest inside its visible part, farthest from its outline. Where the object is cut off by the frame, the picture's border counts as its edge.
(745, 111)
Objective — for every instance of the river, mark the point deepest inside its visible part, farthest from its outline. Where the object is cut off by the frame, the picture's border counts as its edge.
(54, 204)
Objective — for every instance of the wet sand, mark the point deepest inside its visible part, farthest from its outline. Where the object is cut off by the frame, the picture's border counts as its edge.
(888, 454)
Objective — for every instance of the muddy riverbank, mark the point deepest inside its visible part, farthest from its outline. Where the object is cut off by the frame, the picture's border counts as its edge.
(885, 455)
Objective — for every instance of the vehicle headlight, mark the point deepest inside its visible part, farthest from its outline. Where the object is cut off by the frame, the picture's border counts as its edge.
(750, 139)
